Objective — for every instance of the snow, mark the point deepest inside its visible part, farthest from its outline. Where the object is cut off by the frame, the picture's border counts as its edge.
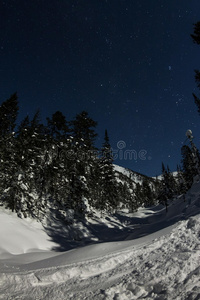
(20, 236)
(121, 170)
(137, 178)
(157, 256)
(189, 134)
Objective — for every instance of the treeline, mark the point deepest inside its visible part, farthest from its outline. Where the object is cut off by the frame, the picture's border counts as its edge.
(57, 165)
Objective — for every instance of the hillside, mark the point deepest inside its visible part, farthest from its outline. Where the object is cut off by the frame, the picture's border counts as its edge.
(148, 254)
(62, 229)
(133, 175)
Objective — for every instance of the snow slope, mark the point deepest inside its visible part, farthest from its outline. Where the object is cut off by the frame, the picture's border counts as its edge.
(158, 259)
(136, 177)
(19, 236)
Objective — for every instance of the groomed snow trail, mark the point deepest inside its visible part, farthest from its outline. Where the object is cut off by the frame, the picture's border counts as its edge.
(164, 268)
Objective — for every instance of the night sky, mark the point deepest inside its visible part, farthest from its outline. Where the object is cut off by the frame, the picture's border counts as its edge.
(129, 63)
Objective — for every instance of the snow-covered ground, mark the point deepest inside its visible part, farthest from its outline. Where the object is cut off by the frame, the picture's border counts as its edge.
(18, 236)
(157, 256)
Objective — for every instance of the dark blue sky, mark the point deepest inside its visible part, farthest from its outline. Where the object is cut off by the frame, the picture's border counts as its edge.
(129, 63)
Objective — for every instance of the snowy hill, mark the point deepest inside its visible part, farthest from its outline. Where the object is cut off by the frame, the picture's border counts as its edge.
(134, 176)
(147, 255)
(21, 236)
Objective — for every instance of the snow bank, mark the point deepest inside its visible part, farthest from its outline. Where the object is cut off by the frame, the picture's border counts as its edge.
(154, 264)
(21, 235)
(166, 267)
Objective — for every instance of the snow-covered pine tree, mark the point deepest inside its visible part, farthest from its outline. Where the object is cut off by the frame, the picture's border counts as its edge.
(126, 196)
(23, 166)
(168, 188)
(180, 180)
(157, 188)
(195, 151)
(138, 195)
(8, 166)
(147, 193)
(83, 134)
(108, 184)
(93, 181)
(58, 145)
(131, 196)
(190, 161)
(188, 165)
(32, 150)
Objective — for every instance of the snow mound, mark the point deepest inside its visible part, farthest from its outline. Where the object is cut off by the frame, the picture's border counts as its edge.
(21, 235)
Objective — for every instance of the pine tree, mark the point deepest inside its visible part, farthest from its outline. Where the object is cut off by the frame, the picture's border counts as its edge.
(57, 126)
(130, 197)
(181, 183)
(157, 188)
(83, 131)
(58, 146)
(9, 175)
(8, 115)
(189, 165)
(8, 166)
(196, 39)
(94, 187)
(138, 195)
(196, 35)
(168, 187)
(147, 193)
(197, 102)
(78, 194)
(82, 148)
(33, 162)
(108, 184)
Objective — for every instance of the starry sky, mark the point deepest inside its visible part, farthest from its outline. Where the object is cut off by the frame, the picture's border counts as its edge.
(129, 63)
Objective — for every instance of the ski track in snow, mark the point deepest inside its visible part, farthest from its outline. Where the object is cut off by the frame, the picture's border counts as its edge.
(165, 268)
(162, 265)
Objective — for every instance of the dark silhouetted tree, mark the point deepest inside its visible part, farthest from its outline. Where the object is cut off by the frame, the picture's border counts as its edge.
(57, 126)
(83, 131)
(196, 38)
